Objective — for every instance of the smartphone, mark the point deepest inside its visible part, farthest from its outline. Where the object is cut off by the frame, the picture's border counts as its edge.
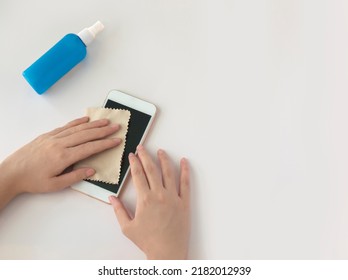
(142, 115)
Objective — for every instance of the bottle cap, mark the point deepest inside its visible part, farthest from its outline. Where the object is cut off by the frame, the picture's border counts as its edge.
(87, 35)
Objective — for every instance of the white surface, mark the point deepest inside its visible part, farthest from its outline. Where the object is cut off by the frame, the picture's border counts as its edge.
(254, 93)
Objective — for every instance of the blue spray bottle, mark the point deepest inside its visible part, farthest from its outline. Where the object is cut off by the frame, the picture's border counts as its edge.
(60, 59)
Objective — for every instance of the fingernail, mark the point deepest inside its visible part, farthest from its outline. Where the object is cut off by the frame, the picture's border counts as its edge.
(117, 140)
(131, 155)
(111, 198)
(140, 148)
(115, 125)
(160, 152)
(104, 121)
(90, 172)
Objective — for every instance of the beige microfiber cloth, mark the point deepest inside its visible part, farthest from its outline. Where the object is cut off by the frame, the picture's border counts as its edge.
(107, 164)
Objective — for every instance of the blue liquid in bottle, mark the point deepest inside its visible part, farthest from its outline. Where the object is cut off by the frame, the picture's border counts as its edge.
(60, 59)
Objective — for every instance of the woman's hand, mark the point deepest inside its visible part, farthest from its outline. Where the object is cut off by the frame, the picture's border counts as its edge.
(161, 224)
(41, 165)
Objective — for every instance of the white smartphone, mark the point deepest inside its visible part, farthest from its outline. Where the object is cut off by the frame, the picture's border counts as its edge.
(142, 115)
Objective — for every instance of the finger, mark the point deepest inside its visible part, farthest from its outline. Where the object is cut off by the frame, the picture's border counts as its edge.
(168, 172)
(138, 175)
(184, 189)
(88, 149)
(120, 212)
(73, 129)
(150, 168)
(88, 135)
(72, 177)
(68, 125)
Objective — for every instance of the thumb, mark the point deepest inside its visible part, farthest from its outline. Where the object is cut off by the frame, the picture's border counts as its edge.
(72, 177)
(120, 211)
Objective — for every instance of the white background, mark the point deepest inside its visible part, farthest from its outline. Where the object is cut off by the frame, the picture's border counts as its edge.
(253, 93)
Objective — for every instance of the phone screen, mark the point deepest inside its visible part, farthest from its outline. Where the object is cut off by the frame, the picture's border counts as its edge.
(136, 128)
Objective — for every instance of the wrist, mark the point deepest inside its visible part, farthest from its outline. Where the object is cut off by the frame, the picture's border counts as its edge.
(8, 189)
(172, 250)
(166, 256)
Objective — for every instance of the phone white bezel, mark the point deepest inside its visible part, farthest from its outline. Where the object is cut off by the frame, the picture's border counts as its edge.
(131, 102)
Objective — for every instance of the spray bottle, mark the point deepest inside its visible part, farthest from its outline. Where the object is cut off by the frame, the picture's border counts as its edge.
(60, 59)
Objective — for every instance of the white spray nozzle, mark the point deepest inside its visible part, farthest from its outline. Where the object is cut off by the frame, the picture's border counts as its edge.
(87, 35)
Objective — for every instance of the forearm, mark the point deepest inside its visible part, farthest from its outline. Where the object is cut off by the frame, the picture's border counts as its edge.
(7, 189)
